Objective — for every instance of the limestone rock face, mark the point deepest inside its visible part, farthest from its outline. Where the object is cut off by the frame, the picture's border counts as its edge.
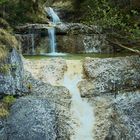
(83, 43)
(112, 87)
(11, 78)
(117, 118)
(70, 37)
(127, 107)
(111, 74)
(49, 71)
(34, 118)
(31, 119)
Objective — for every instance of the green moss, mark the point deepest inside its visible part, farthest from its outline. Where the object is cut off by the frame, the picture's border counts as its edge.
(5, 104)
(7, 39)
(5, 68)
(3, 112)
(9, 100)
(3, 52)
(7, 43)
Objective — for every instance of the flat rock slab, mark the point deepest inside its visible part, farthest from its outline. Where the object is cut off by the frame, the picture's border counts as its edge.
(110, 75)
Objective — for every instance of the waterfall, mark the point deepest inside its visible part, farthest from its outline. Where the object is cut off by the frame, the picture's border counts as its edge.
(33, 43)
(53, 15)
(82, 112)
(51, 30)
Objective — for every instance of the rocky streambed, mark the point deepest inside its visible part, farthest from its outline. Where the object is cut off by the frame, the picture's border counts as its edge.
(110, 86)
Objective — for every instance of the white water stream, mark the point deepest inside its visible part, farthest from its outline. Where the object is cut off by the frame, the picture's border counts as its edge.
(82, 111)
(51, 30)
(33, 43)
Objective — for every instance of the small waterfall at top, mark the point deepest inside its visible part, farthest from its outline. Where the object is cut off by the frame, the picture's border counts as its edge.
(52, 32)
(53, 15)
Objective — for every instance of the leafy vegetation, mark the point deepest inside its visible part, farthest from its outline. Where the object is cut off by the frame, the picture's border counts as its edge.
(103, 13)
(22, 11)
(111, 15)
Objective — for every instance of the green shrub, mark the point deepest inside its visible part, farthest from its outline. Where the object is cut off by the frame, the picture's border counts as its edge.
(5, 25)
(3, 52)
(5, 68)
(7, 39)
(5, 104)
(117, 19)
(22, 11)
(7, 43)
(9, 100)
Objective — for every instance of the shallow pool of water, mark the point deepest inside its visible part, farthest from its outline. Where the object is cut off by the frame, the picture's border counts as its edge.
(78, 56)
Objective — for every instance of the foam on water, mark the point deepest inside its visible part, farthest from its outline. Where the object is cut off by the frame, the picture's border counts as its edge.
(82, 111)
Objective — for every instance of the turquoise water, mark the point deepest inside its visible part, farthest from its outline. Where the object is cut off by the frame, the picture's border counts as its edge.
(78, 56)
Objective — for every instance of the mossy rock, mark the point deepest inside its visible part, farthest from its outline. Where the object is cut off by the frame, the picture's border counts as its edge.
(5, 68)
(7, 43)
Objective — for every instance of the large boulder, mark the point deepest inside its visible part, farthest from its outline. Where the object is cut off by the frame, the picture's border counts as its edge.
(110, 75)
(31, 119)
(11, 74)
(117, 118)
(34, 118)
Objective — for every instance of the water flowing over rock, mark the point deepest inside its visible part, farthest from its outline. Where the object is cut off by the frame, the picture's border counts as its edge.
(49, 71)
(112, 86)
(70, 38)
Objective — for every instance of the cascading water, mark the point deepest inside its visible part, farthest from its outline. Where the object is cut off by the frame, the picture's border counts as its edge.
(52, 32)
(32, 40)
(82, 112)
(33, 43)
(53, 15)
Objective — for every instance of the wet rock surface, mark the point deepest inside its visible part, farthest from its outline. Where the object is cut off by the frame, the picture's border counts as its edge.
(117, 100)
(11, 75)
(49, 71)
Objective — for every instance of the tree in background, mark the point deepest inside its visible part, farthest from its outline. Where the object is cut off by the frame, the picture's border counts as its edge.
(22, 11)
